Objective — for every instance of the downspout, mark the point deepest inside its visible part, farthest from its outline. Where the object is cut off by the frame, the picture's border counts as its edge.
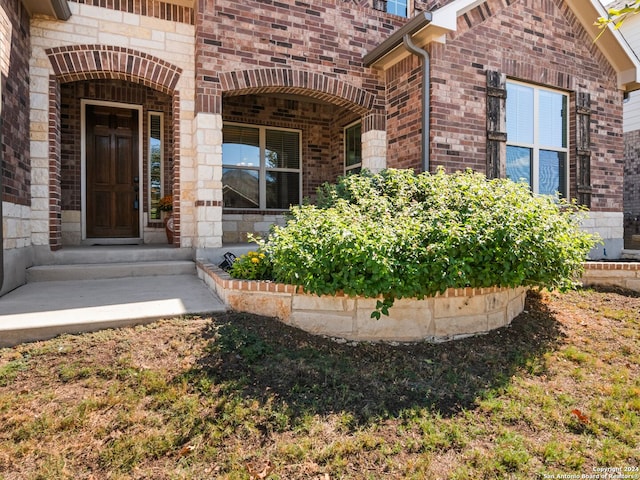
(426, 104)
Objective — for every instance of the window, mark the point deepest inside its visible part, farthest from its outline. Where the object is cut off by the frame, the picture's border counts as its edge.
(353, 148)
(156, 161)
(398, 7)
(260, 167)
(537, 151)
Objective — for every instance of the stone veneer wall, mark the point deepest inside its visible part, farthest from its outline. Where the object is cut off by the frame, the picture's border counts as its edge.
(612, 274)
(144, 35)
(458, 312)
(15, 158)
(236, 227)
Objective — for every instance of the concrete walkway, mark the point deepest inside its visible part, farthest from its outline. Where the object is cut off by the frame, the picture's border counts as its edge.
(41, 310)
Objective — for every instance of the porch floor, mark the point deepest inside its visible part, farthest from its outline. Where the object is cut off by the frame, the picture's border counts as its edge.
(90, 288)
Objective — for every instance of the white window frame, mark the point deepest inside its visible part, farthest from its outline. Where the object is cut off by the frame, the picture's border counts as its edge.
(262, 169)
(162, 145)
(536, 146)
(347, 169)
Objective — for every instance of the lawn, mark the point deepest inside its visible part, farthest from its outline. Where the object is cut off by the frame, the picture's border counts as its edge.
(237, 396)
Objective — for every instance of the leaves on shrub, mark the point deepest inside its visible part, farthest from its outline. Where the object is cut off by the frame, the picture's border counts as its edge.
(396, 234)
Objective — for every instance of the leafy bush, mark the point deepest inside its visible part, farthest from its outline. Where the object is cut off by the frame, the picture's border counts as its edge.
(396, 234)
(252, 266)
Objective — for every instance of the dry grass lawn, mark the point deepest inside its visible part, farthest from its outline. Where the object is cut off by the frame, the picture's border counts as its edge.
(237, 396)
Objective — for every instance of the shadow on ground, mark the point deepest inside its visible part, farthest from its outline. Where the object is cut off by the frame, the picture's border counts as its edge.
(260, 358)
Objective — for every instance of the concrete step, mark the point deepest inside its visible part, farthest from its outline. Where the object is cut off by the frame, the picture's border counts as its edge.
(95, 271)
(110, 254)
(631, 254)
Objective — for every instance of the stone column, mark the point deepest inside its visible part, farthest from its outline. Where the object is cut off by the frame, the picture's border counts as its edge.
(374, 142)
(207, 184)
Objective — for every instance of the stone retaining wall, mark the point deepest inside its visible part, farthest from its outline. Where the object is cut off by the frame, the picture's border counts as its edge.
(613, 274)
(458, 312)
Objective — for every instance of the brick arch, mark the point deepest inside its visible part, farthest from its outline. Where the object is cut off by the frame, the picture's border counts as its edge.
(84, 62)
(310, 84)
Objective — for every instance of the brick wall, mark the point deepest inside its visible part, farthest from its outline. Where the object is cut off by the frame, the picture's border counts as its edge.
(325, 36)
(150, 8)
(14, 71)
(533, 41)
(404, 114)
(112, 91)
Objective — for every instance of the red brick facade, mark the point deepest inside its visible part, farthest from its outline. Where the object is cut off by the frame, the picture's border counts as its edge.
(14, 62)
(527, 41)
(322, 37)
(299, 65)
(149, 8)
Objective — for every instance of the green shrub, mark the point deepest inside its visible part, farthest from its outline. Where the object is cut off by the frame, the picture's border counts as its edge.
(252, 266)
(396, 234)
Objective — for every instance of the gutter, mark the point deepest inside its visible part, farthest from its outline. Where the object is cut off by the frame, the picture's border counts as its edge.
(403, 37)
(426, 94)
(58, 9)
(61, 7)
(410, 28)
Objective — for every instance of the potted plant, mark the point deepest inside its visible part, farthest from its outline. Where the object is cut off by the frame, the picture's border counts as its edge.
(166, 205)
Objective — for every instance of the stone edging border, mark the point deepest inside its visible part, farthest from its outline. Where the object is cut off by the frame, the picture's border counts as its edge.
(612, 274)
(457, 313)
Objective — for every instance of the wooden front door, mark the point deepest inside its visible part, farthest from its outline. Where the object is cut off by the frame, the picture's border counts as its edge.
(113, 180)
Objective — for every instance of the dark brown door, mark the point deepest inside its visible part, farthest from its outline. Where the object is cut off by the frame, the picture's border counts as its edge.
(112, 172)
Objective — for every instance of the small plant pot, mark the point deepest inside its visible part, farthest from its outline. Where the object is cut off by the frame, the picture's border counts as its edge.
(168, 228)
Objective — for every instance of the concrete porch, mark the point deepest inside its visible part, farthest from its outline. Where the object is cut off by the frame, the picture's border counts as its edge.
(87, 288)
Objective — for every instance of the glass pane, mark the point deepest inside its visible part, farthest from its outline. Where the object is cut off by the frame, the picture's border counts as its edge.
(155, 166)
(240, 146)
(519, 113)
(283, 189)
(552, 119)
(397, 7)
(240, 188)
(519, 164)
(283, 149)
(353, 145)
(552, 173)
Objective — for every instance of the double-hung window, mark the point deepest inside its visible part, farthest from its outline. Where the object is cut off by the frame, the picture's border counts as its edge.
(537, 126)
(353, 148)
(261, 167)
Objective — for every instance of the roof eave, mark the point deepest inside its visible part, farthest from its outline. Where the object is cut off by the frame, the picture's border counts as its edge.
(58, 9)
(610, 42)
(388, 48)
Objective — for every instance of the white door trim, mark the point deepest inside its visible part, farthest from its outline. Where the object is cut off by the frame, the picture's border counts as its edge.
(83, 170)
